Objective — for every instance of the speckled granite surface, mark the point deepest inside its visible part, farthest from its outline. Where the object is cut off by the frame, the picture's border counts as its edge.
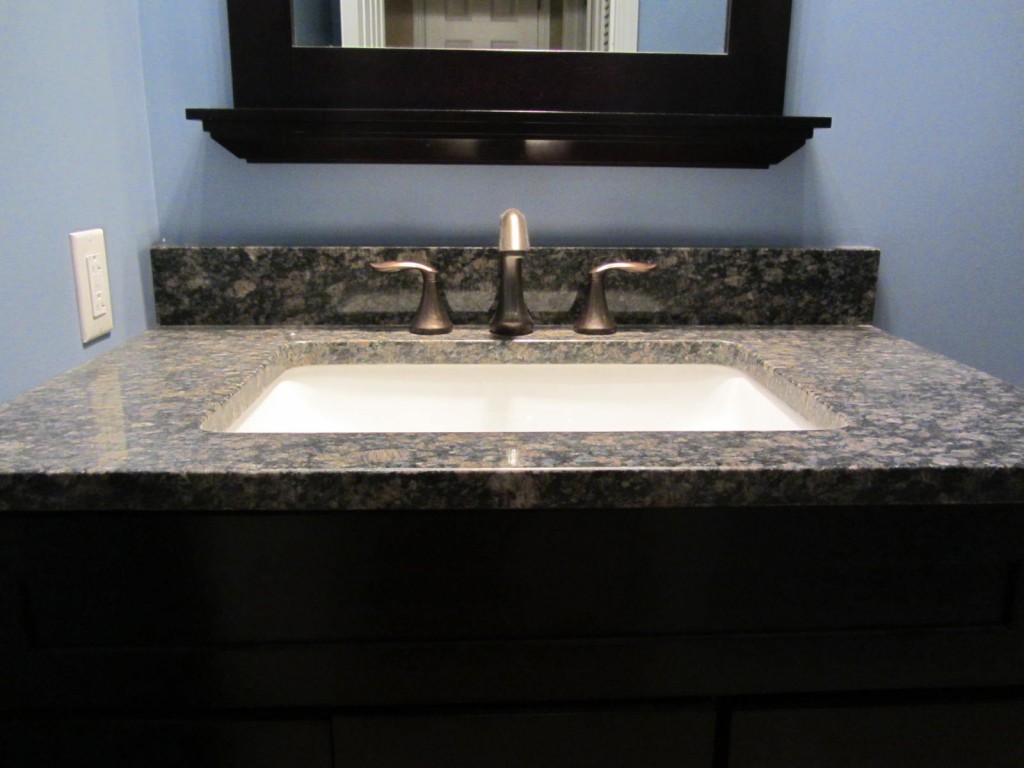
(706, 286)
(124, 431)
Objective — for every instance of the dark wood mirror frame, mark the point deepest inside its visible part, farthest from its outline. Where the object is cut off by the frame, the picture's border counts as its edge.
(330, 104)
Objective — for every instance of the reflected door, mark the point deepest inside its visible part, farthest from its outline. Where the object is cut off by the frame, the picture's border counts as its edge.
(482, 24)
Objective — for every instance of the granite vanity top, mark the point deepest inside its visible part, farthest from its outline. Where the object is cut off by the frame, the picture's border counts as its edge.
(125, 431)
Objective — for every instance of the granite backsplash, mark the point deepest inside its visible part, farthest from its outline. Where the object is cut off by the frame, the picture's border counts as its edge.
(271, 285)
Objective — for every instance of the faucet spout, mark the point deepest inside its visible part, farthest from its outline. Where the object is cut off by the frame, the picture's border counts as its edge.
(512, 318)
(513, 235)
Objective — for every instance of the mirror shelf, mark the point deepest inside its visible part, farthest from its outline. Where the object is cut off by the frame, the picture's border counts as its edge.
(359, 105)
(504, 137)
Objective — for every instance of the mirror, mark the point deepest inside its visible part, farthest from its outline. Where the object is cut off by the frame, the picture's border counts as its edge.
(748, 78)
(619, 26)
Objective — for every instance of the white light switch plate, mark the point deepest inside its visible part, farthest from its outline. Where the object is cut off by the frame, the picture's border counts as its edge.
(92, 285)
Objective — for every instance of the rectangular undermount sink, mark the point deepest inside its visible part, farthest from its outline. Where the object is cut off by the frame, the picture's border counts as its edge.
(511, 397)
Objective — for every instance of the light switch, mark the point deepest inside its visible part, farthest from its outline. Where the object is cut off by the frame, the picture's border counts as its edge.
(92, 283)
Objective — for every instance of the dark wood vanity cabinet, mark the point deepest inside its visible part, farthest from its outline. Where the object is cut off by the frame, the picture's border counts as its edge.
(647, 637)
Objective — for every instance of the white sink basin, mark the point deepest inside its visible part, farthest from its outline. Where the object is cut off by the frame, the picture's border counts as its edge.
(516, 398)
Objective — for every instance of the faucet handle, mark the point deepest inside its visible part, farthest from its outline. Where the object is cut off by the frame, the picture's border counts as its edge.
(431, 316)
(595, 317)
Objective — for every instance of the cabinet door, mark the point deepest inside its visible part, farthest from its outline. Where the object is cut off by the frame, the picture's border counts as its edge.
(932, 736)
(638, 739)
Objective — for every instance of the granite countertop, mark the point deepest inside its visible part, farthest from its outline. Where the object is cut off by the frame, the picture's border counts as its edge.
(125, 431)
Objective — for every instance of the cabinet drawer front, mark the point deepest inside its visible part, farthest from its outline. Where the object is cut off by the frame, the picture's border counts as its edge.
(413, 576)
(607, 739)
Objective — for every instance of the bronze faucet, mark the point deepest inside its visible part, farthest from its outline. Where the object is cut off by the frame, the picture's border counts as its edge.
(512, 318)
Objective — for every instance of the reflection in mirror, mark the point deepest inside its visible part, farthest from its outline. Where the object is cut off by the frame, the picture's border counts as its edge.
(650, 26)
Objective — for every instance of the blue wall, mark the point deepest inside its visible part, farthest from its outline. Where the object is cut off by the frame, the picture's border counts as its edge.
(686, 26)
(74, 154)
(925, 161)
(317, 22)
